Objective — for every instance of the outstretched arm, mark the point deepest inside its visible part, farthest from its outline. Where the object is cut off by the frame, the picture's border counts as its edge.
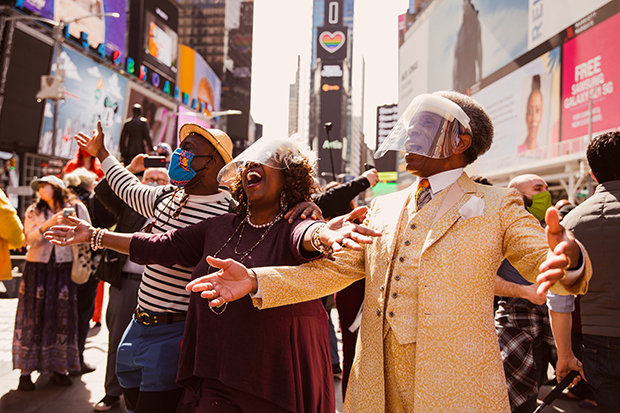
(83, 232)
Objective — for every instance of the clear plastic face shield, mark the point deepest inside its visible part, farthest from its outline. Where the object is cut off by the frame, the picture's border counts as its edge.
(430, 126)
(277, 153)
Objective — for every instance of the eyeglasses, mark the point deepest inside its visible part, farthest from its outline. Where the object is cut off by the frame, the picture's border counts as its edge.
(159, 181)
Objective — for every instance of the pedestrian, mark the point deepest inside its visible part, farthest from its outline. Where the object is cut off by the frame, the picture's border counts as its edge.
(427, 340)
(12, 235)
(46, 322)
(596, 222)
(84, 160)
(124, 278)
(525, 339)
(135, 136)
(148, 382)
(81, 182)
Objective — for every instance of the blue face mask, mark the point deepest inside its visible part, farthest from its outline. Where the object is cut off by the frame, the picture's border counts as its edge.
(180, 170)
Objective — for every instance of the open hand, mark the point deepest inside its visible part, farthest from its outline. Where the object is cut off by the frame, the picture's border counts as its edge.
(232, 282)
(94, 145)
(563, 252)
(342, 231)
(79, 231)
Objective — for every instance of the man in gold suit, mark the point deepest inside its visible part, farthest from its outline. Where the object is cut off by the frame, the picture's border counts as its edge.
(427, 341)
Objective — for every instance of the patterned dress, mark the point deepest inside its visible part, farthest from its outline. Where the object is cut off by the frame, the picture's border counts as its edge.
(45, 337)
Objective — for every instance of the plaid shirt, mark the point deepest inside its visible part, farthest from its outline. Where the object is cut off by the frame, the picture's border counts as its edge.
(521, 326)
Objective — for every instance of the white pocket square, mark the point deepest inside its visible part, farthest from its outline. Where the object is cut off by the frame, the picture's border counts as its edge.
(472, 208)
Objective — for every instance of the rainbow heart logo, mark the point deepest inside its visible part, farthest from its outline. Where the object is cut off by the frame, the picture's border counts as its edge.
(331, 41)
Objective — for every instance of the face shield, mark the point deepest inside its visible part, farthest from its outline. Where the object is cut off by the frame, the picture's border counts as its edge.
(430, 126)
(277, 153)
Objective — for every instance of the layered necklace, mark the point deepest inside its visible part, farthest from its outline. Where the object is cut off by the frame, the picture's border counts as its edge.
(244, 254)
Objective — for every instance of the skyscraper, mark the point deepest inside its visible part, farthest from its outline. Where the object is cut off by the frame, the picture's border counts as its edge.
(330, 86)
(221, 32)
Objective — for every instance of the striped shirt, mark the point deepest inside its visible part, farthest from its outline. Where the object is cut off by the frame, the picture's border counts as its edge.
(162, 289)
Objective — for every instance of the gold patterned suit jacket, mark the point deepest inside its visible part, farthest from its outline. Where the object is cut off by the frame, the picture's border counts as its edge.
(429, 277)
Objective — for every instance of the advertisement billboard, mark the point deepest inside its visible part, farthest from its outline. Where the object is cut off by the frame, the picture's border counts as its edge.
(413, 66)
(100, 30)
(590, 70)
(549, 17)
(525, 109)
(92, 93)
(468, 40)
(198, 82)
(160, 113)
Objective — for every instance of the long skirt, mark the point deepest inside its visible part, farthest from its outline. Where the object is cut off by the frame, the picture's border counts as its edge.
(45, 338)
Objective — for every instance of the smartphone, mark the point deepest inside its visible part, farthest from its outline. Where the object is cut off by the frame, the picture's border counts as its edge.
(68, 211)
(368, 167)
(155, 162)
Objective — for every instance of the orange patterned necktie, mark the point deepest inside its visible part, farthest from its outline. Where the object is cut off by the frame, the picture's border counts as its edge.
(422, 194)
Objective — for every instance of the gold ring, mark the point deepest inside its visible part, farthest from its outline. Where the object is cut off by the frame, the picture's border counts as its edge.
(568, 264)
(218, 306)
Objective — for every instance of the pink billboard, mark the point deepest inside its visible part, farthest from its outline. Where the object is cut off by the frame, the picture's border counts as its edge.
(591, 66)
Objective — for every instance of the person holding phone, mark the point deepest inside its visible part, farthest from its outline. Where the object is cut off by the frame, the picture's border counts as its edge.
(46, 323)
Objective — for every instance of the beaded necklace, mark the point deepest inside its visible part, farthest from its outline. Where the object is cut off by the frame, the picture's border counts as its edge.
(245, 253)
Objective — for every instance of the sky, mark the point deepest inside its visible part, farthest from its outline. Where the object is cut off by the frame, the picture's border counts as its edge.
(283, 31)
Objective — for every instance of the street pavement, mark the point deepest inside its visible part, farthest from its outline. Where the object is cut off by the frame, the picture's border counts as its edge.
(88, 389)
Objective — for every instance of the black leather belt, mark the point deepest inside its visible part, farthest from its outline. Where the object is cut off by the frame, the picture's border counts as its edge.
(131, 276)
(157, 318)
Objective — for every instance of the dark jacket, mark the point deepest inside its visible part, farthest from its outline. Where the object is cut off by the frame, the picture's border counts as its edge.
(135, 138)
(129, 221)
(336, 201)
(596, 223)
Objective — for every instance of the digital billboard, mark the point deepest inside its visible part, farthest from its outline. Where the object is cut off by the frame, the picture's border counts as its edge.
(590, 70)
(198, 82)
(525, 109)
(100, 30)
(92, 93)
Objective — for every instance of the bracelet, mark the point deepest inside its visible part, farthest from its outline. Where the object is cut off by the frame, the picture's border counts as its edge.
(99, 240)
(316, 241)
(93, 244)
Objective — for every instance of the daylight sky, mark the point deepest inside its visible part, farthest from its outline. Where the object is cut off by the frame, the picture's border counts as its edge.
(283, 30)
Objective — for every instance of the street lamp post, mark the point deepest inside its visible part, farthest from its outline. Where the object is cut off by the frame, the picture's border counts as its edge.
(58, 77)
(328, 128)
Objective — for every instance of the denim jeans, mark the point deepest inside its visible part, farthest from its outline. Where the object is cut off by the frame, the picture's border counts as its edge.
(601, 365)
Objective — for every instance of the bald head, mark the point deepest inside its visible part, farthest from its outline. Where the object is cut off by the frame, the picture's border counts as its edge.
(529, 184)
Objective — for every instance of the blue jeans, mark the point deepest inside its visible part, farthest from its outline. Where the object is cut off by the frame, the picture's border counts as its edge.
(148, 356)
(601, 365)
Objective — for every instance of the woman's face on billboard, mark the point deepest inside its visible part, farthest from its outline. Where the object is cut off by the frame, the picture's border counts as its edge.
(534, 113)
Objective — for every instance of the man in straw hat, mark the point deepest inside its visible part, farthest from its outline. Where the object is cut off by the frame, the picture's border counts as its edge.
(148, 354)
(427, 342)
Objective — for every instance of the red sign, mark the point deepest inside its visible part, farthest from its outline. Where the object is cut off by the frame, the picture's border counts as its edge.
(590, 70)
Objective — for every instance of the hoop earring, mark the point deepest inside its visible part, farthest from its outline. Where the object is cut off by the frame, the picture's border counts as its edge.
(283, 203)
(248, 210)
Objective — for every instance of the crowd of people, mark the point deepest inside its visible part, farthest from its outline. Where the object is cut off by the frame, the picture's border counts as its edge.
(453, 294)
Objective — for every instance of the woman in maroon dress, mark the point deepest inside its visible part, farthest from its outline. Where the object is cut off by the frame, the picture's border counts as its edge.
(237, 358)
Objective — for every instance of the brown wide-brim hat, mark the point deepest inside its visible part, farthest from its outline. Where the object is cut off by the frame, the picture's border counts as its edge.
(219, 139)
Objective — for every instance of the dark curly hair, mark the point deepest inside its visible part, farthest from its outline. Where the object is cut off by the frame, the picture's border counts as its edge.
(603, 153)
(298, 186)
(479, 122)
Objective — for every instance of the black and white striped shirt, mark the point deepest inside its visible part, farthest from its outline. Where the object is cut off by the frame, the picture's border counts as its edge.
(163, 288)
